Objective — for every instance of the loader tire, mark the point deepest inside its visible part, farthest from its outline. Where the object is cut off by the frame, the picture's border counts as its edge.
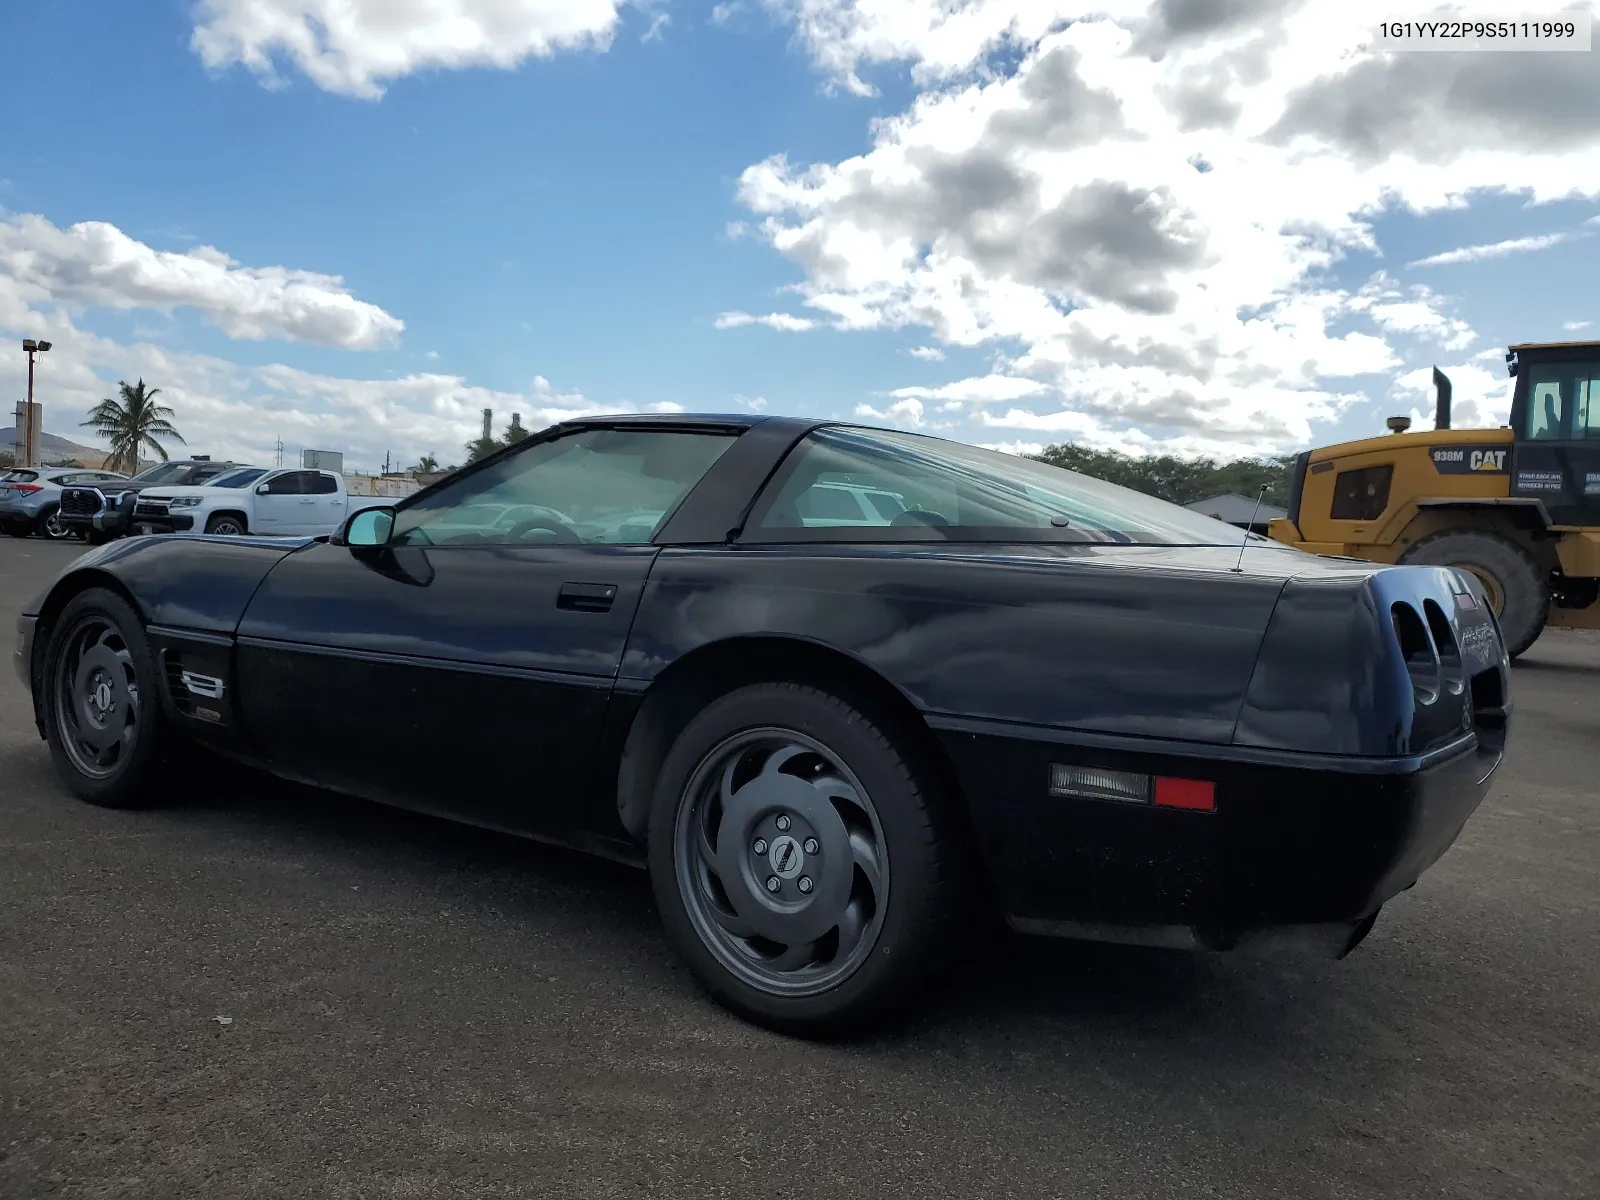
(1516, 586)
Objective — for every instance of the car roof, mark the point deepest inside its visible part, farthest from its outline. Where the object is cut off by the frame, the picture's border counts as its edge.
(671, 420)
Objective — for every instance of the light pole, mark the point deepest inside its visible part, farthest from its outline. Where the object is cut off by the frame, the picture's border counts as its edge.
(32, 348)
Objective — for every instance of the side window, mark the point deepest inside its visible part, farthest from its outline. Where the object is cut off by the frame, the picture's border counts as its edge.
(287, 484)
(911, 488)
(1361, 495)
(321, 484)
(1586, 398)
(1546, 403)
(596, 485)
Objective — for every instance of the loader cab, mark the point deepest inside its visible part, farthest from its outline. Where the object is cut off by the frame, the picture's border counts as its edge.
(1555, 417)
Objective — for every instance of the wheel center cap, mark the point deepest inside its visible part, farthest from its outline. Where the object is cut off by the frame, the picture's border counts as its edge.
(786, 857)
(102, 695)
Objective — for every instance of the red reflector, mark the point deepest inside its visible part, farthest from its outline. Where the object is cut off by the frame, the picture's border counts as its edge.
(1197, 794)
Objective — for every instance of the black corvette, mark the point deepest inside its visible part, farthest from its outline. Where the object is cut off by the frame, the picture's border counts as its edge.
(840, 689)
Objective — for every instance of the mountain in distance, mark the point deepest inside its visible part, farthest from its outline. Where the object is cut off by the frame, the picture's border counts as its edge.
(56, 447)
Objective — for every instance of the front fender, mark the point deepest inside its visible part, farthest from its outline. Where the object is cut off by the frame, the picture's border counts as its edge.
(183, 581)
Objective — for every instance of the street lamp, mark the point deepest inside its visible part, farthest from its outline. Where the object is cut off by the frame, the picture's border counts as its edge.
(31, 348)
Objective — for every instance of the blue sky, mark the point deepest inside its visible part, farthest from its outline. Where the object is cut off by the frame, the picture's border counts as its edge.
(563, 233)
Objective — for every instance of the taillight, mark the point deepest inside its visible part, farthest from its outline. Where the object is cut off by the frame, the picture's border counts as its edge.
(1162, 791)
(27, 487)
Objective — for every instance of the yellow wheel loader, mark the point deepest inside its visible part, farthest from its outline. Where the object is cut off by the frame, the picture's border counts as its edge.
(1518, 506)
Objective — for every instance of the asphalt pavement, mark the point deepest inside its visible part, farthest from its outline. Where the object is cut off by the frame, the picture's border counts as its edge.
(270, 991)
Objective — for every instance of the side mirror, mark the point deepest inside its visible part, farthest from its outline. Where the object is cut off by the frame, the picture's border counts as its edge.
(263, 490)
(369, 529)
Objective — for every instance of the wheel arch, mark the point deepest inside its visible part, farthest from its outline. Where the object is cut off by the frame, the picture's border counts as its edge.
(717, 668)
(1524, 522)
(61, 595)
(237, 513)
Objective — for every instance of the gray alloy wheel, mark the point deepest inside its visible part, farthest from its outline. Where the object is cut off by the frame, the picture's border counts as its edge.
(809, 860)
(781, 862)
(108, 736)
(225, 526)
(50, 525)
(96, 697)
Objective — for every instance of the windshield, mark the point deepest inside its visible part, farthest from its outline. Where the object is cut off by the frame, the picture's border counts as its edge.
(956, 492)
(18, 476)
(237, 479)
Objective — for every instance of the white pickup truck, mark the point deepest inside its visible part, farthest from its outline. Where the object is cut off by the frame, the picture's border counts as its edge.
(290, 502)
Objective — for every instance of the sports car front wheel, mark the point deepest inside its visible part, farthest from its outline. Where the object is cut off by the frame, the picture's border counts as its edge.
(102, 718)
(802, 861)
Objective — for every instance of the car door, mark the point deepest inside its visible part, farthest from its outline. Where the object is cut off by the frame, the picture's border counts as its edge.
(326, 503)
(280, 504)
(465, 667)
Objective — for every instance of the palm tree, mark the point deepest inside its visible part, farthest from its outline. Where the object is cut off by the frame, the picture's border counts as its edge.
(428, 464)
(131, 424)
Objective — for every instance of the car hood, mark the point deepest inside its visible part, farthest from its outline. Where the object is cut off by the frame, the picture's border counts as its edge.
(166, 491)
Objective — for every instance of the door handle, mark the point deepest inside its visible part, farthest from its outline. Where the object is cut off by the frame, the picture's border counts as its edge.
(586, 597)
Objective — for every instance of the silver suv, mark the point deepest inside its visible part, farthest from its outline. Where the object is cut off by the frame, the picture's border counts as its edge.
(30, 497)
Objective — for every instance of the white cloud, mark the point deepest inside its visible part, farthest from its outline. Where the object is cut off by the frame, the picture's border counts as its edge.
(927, 353)
(901, 412)
(1465, 254)
(1019, 448)
(355, 47)
(721, 14)
(783, 322)
(1574, 326)
(1139, 205)
(753, 403)
(658, 25)
(432, 356)
(96, 265)
(982, 389)
(225, 409)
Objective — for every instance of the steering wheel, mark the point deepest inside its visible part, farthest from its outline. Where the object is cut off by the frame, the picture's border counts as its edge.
(522, 528)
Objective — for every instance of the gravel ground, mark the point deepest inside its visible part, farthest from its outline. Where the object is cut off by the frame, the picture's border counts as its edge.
(277, 992)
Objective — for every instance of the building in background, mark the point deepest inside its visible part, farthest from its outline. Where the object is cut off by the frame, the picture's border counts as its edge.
(1237, 510)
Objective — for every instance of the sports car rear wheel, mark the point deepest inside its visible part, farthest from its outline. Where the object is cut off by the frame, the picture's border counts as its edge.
(102, 718)
(799, 861)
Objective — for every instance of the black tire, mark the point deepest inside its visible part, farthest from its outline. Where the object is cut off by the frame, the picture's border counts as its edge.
(129, 781)
(96, 537)
(226, 524)
(19, 529)
(1505, 568)
(918, 927)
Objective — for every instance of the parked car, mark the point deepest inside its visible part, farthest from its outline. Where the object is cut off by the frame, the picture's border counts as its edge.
(290, 502)
(30, 497)
(831, 746)
(100, 512)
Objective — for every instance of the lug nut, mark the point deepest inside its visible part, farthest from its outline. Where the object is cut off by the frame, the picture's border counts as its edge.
(760, 847)
(811, 846)
(805, 884)
(783, 824)
(772, 883)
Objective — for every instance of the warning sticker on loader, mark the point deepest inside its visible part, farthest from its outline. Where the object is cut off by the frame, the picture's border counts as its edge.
(1470, 460)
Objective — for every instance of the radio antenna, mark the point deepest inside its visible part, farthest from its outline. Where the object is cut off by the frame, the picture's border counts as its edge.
(1238, 567)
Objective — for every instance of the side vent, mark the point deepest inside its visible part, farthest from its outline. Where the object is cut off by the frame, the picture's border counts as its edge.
(1444, 642)
(181, 699)
(1416, 647)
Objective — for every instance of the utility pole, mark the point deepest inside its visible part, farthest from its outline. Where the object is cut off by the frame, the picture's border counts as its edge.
(27, 426)
(279, 460)
(488, 423)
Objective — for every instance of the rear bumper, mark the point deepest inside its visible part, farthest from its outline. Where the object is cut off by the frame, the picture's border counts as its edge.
(1297, 842)
(14, 510)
